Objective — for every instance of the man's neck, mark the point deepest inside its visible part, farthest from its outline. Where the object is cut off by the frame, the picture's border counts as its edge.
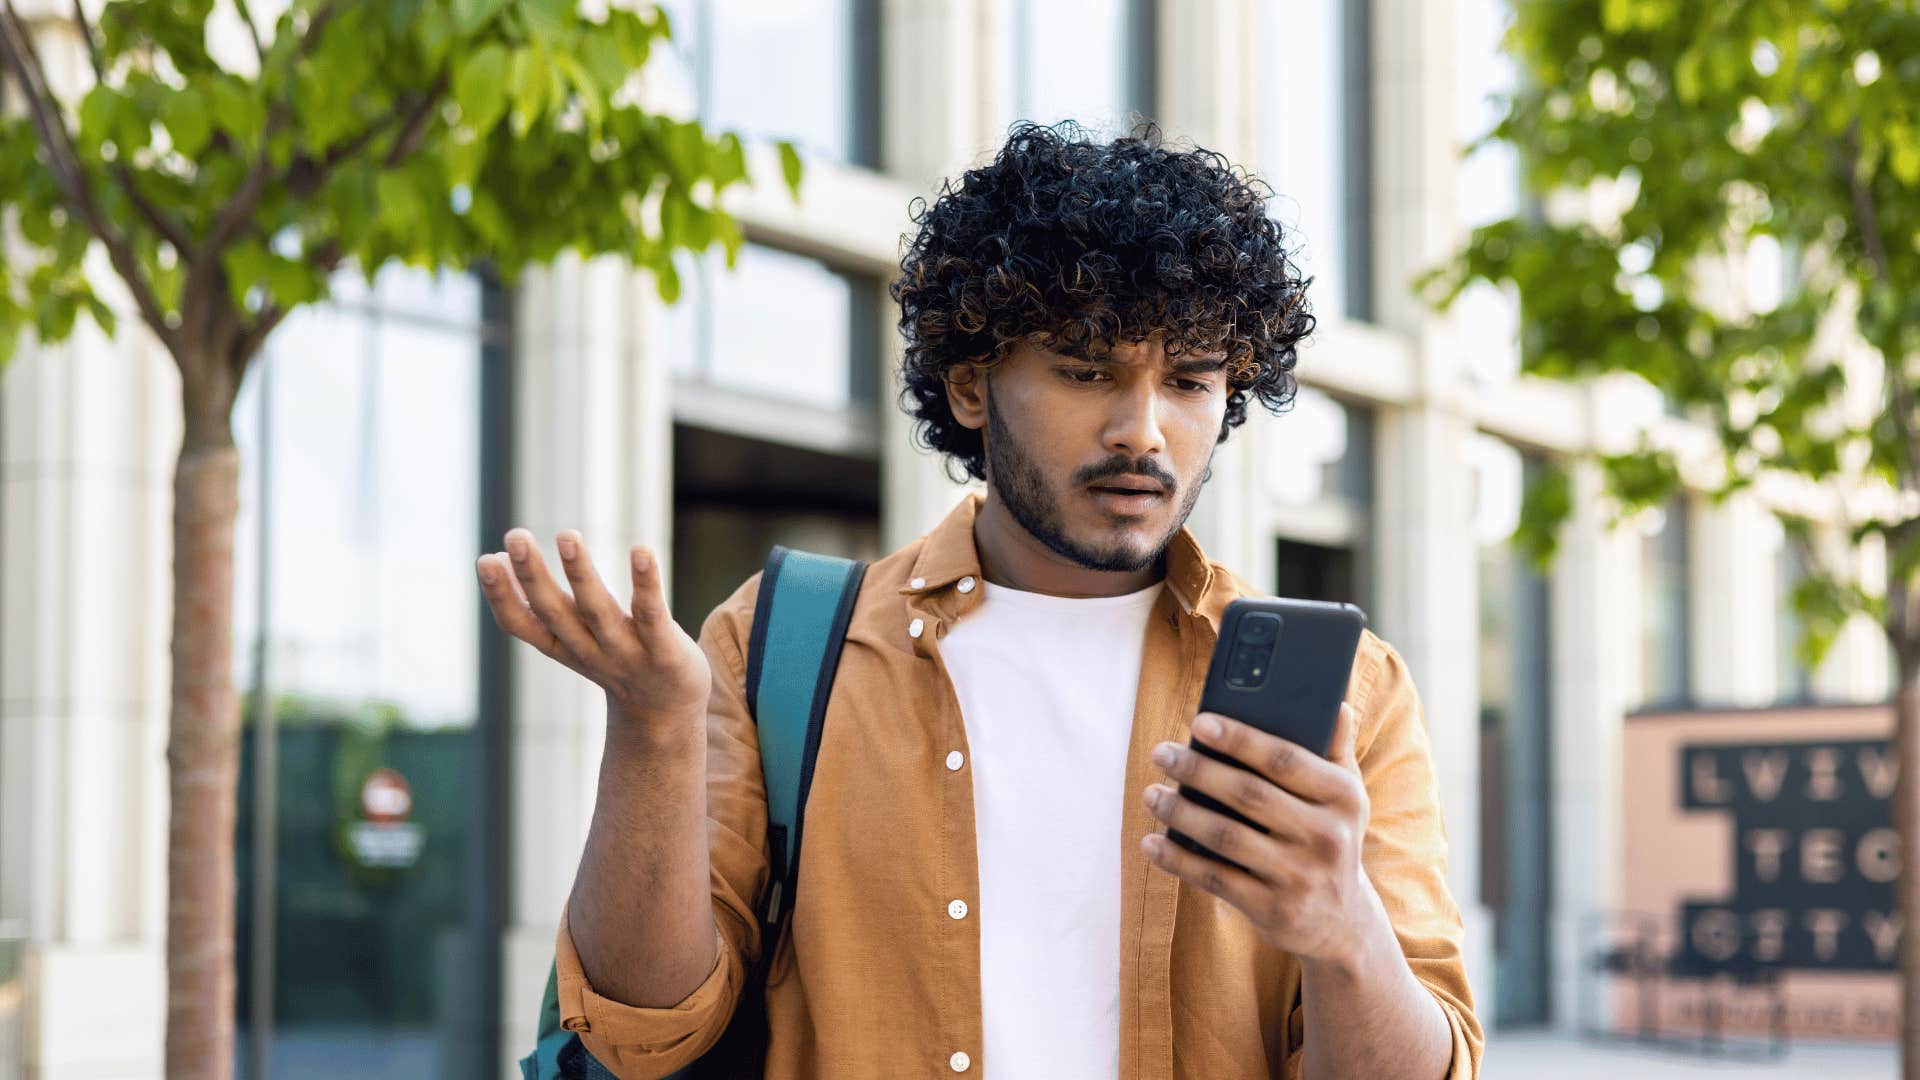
(1014, 558)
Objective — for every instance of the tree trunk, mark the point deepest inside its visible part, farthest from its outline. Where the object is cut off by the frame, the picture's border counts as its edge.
(1906, 822)
(203, 762)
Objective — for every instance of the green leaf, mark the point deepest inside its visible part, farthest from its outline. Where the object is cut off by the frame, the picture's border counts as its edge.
(464, 160)
(434, 31)
(99, 117)
(480, 87)
(790, 168)
(185, 116)
(246, 263)
(470, 15)
(101, 314)
(529, 87)
(1903, 153)
(236, 110)
(1544, 509)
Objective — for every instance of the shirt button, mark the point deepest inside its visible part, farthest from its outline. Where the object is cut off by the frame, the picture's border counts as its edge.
(959, 1061)
(917, 583)
(915, 627)
(954, 760)
(966, 584)
(957, 909)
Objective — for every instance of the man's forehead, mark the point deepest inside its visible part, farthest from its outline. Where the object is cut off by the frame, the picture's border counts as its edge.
(1153, 350)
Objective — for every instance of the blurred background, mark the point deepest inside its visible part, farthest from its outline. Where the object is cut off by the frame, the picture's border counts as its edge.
(760, 409)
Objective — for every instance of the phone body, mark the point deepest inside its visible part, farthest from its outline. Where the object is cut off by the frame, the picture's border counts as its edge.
(1282, 666)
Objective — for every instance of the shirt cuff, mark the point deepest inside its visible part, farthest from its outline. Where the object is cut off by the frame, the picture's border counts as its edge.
(1466, 1063)
(623, 1036)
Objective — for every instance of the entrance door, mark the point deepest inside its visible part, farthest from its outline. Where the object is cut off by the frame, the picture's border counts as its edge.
(368, 926)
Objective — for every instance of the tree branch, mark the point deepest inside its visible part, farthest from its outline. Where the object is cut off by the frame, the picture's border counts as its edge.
(247, 199)
(16, 49)
(325, 259)
(1899, 388)
(253, 31)
(414, 131)
(122, 176)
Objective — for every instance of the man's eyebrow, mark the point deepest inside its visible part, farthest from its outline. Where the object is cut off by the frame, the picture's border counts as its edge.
(1183, 367)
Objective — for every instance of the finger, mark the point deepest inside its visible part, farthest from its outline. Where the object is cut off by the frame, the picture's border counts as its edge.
(595, 605)
(649, 603)
(1246, 791)
(1219, 833)
(511, 613)
(1286, 763)
(1236, 887)
(553, 606)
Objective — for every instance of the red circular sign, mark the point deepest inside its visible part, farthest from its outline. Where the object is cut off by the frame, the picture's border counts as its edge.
(385, 796)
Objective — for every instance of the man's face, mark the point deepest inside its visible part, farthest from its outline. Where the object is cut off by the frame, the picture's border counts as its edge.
(1063, 433)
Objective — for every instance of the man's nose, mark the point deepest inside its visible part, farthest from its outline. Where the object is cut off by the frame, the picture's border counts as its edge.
(1133, 426)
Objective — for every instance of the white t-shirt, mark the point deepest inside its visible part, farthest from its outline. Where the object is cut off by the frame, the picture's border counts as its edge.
(1046, 687)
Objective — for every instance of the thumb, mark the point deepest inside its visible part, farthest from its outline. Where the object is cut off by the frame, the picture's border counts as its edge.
(1346, 732)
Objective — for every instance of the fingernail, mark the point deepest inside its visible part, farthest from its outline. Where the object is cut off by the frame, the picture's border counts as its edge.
(1206, 726)
(516, 547)
(1163, 755)
(641, 562)
(1153, 797)
(565, 544)
(486, 571)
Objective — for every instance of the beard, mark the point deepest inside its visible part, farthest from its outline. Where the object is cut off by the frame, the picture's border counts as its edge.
(1016, 479)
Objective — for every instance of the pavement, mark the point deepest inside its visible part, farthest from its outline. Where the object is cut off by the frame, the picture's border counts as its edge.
(1526, 1055)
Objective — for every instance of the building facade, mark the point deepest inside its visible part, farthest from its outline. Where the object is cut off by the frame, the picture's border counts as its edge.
(393, 435)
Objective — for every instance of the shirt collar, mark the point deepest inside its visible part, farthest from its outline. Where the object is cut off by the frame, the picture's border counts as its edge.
(949, 554)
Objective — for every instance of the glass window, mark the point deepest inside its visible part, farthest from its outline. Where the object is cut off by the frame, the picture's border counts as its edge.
(1793, 679)
(1080, 61)
(1313, 145)
(1487, 182)
(1515, 723)
(357, 625)
(1666, 606)
(1321, 448)
(778, 325)
(801, 70)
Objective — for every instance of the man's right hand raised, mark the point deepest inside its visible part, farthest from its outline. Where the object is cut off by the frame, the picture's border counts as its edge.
(651, 670)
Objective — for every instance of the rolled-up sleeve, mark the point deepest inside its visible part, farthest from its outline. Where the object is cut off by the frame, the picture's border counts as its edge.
(1405, 851)
(635, 1042)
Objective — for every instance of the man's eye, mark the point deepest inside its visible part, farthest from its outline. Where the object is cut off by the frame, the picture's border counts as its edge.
(1090, 374)
(1192, 384)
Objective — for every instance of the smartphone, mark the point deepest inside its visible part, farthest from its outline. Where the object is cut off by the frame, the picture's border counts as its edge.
(1282, 666)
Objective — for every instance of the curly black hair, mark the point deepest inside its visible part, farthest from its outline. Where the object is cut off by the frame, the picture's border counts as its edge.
(1075, 246)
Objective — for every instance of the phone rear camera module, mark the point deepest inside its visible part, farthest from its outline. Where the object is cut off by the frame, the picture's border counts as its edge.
(1259, 628)
(1255, 639)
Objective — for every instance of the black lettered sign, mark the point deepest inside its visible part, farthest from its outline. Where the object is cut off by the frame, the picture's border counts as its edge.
(1814, 853)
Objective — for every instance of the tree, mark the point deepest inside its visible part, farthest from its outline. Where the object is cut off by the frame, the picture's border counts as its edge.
(1669, 142)
(224, 194)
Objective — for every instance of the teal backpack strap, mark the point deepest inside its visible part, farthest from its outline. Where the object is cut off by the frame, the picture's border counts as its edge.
(800, 620)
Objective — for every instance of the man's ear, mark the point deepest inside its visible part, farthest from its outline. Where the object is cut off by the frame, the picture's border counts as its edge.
(967, 394)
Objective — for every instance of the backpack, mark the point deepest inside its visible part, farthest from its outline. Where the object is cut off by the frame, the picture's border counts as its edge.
(799, 624)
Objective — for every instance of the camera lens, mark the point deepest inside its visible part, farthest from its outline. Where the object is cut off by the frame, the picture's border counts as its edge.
(1259, 629)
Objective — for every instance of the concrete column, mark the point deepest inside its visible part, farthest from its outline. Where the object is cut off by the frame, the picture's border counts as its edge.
(1426, 577)
(89, 431)
(1208, 93)
(1735, 602)
(593, 451)
(1596, 636)
(942, 79)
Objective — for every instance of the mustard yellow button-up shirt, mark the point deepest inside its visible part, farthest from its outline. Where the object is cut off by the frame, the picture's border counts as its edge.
(874, 978)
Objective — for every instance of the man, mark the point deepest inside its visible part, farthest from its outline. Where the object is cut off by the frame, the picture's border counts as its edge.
(987, 884)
